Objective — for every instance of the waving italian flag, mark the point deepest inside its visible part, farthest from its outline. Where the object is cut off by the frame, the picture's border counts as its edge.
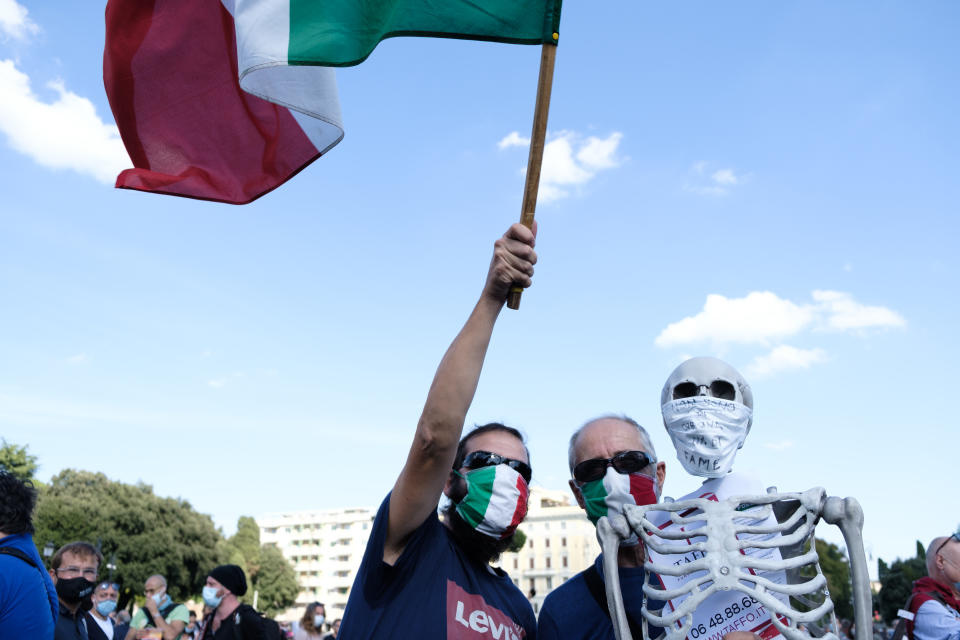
(227, 100)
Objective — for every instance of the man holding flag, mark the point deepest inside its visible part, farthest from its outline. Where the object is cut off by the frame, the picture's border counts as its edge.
(423, 578)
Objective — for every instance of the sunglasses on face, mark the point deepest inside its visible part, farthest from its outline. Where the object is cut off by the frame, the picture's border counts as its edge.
(478, 459)
(623, 462)
(716, 389)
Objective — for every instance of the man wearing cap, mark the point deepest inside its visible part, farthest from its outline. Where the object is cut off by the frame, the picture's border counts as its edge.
(935, 601)
(159, 612)
(100, 624)
(230, 619)
(425, 578)
(613, 464)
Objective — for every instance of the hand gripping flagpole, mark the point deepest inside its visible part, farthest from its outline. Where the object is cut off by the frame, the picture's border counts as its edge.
(537, 139)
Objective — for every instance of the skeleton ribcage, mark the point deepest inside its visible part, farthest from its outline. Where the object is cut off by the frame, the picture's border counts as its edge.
(732, 564)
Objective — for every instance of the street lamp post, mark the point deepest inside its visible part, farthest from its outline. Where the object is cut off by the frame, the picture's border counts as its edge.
(112, 565)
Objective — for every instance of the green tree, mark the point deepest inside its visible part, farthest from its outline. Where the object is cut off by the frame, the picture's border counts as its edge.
(247, 541)
(17, 460)
(897, 580)
(276, 582)
(146, 533)
(269, 574)
(836, 568)
(519, 539)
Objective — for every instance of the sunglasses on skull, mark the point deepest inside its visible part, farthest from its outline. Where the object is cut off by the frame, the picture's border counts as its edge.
(716, 389)
(623, 462)
(478, 459)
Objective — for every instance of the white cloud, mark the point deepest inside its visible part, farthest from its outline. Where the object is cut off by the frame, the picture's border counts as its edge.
(570, 160)
(762, 317)
(779, 446)
(725, 176)
(513, 139)
(64, 134)
(600, 153)
(843, 313)
(717, 183)
(217, 383)
(785, 358)
(14, 21)
(80, 358)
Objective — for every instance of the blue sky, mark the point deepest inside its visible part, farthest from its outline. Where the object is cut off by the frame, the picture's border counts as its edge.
(773, 184)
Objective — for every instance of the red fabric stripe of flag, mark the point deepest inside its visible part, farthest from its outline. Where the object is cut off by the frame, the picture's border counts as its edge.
(641, 488)
(521, 511)
(170, 72)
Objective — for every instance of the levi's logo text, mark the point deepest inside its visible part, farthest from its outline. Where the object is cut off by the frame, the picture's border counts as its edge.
(469, 617)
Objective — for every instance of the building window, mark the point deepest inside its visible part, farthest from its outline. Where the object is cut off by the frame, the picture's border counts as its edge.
(564, 562)
(530, 544)
(531, 563)
(548, 562)
(516, 563)
(547, 543)
(563, 542)
(549, 583)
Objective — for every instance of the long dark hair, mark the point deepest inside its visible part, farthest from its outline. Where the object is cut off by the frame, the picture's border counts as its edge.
(306, 622)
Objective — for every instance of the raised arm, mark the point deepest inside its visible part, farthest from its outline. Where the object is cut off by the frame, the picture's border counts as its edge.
(417, 491)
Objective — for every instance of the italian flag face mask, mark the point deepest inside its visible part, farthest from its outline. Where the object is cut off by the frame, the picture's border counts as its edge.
(496, 500)
(608, 495)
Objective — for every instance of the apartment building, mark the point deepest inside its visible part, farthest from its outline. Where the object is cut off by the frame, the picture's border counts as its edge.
(325, 549)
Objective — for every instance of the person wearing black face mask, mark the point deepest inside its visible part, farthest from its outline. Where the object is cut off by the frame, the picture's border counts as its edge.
(74, 569)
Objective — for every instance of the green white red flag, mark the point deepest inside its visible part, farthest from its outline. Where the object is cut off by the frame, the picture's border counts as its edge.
(227, 100)
(341, 33)
(498, 495)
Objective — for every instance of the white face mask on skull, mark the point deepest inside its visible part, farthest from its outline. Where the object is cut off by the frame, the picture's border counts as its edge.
(706, 432)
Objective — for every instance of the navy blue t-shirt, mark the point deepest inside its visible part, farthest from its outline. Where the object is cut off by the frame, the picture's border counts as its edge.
(434, 591)
(570, 612)
(28, 600)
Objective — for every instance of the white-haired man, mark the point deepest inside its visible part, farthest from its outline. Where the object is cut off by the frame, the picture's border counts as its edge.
(613, 464)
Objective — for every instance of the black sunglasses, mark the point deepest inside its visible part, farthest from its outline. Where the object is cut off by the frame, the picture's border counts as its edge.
(718, 389)
(953, 536)
(478, 459)
(623, 462)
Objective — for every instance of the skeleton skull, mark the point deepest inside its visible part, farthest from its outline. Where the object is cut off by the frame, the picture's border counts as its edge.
(707, 376)
(707, 409)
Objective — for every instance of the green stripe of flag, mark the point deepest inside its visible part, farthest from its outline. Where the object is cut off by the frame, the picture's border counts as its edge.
(341, 33)
(481, 490)
(595, 494)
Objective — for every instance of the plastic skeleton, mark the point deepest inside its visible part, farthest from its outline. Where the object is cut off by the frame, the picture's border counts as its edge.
(727, 562)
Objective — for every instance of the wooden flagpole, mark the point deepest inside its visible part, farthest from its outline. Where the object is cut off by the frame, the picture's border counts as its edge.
(537, 140)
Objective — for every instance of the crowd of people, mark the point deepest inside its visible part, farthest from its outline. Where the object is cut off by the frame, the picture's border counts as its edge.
(68, 601)
(426, 574)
